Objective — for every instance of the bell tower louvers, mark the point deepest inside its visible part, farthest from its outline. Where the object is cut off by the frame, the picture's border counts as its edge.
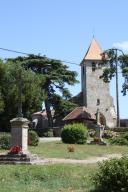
(95, 91)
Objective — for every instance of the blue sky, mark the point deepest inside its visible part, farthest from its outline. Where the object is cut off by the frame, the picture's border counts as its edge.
(63, 29)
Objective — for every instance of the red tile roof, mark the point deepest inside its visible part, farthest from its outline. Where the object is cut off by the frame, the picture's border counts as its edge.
(94, 51)
(80, 113)
(43, 113)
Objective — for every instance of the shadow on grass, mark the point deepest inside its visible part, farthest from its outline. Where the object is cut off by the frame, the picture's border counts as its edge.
(95, 190)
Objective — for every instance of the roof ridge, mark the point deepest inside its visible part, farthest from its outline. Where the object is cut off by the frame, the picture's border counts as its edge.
(69, 113)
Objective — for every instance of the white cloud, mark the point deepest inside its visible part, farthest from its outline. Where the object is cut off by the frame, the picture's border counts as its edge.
(121, 45)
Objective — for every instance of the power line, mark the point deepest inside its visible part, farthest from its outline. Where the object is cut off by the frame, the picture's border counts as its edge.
(72, 63)
(9, 50)
(28, 54)
(23, 53)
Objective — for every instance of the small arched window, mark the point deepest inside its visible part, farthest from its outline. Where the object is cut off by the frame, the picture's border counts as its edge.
(98, 102)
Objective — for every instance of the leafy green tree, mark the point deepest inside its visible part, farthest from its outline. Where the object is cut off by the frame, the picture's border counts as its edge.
(55, 76)
(124, 66)
(61, 107)
(15, 73)
(109, 60)
(112, 61)
(2, 73)
(39, 78)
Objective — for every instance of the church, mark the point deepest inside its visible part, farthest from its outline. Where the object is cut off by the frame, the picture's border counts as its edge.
(95, 93)
(94, 96)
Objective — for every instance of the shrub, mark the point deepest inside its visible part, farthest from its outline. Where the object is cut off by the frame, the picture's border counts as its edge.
(45, 132)
(40, 132)
(125, 135)
(119, 141)
(74, 133)
(33, 138)
(112, 176)
(108, 134)
(5, 141)
(48, 133)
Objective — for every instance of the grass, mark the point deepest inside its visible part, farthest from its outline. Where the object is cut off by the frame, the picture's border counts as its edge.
(48, 178)
(57, 177)
(59, 150)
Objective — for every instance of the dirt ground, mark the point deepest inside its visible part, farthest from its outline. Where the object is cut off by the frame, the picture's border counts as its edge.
(90, 160)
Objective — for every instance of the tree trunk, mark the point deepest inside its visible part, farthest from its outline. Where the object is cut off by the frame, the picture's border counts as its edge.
(49, 114)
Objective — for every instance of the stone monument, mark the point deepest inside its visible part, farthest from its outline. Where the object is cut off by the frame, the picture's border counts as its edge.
(19, 143)
(98, 131)
(19, 137)
(19, 133)
(19, 153)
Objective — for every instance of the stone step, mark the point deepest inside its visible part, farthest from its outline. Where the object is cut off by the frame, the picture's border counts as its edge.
(14, 162)
(14, 157)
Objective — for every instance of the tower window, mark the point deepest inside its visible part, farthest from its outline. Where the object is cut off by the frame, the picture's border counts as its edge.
(93, 66)
(98, 102)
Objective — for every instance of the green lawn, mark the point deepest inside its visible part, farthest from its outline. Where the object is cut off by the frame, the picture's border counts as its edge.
(59, 150)
(48, 178)
(57, 177)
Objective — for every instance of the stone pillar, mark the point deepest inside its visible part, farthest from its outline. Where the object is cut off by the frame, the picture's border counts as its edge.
(19, 133)
(98, 117)
(99, 132)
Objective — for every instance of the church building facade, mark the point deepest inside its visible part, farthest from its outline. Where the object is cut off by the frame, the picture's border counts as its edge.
(95, 92)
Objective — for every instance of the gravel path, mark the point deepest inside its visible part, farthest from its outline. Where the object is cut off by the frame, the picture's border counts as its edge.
(90, 160)
(49, 139)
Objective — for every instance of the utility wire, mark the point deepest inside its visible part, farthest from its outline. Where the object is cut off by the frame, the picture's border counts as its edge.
(9, 50)
(23, 53)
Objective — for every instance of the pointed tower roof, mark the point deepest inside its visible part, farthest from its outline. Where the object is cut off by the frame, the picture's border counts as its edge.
(94, 51)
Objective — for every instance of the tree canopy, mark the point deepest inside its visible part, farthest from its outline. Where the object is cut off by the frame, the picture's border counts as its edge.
(12, 74)
(110, 59)
(40, 78)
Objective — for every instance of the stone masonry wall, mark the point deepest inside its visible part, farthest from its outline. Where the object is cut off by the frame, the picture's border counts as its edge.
(95, 89)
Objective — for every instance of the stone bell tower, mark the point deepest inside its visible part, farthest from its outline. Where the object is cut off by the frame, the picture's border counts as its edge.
(95, 92)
